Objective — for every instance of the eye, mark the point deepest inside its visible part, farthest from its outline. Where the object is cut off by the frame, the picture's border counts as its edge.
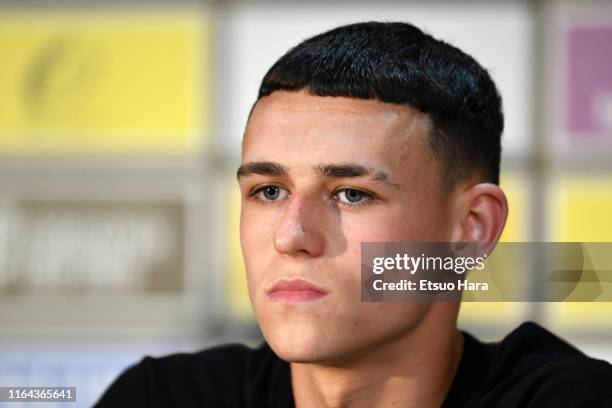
(353, 197)
(270, 193)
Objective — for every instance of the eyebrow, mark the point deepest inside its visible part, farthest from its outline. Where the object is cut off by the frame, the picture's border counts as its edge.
(264, 168)
(341, 170)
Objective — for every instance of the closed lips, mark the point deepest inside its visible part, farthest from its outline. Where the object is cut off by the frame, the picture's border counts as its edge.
(296, 290)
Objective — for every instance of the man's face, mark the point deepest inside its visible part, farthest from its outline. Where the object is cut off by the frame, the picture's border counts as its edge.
(319, 176)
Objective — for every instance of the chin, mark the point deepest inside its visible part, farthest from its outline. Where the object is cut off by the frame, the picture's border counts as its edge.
(293, 355)
(297, 342)
(311, 353)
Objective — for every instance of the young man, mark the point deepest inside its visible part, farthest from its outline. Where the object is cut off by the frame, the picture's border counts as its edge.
(373, 132)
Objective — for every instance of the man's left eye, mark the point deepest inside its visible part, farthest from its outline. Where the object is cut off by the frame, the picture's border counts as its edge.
(352, 196)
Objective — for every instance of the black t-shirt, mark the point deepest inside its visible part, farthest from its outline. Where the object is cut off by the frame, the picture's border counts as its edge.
(530, 368)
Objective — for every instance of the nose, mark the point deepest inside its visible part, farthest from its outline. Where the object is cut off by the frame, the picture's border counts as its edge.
(300, 229)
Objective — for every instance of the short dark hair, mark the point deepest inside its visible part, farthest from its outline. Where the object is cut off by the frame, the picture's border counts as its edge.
(398, 63)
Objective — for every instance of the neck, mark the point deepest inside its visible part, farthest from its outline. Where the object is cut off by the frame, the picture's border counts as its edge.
(415, 370)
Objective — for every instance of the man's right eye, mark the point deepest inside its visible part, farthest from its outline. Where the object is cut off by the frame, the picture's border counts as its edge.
(270, 193)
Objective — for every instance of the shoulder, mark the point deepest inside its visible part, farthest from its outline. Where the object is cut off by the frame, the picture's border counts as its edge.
(215, 375)
(531, 346)
(533, 367)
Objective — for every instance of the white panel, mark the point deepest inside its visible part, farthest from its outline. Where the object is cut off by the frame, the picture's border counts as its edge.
(497, 35)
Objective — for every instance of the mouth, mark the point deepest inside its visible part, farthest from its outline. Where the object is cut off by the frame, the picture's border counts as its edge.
(295, 291)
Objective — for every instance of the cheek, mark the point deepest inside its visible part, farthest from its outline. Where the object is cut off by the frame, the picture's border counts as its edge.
(256, 229)
(398, 317)
(256, 240)
(387, 224)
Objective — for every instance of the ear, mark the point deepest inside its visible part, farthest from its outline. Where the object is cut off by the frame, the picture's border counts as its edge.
(479, 214)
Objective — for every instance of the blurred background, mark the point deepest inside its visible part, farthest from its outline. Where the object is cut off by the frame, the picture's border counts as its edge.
(120, 130)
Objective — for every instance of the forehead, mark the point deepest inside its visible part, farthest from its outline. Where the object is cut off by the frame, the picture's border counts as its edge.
(295, 127)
